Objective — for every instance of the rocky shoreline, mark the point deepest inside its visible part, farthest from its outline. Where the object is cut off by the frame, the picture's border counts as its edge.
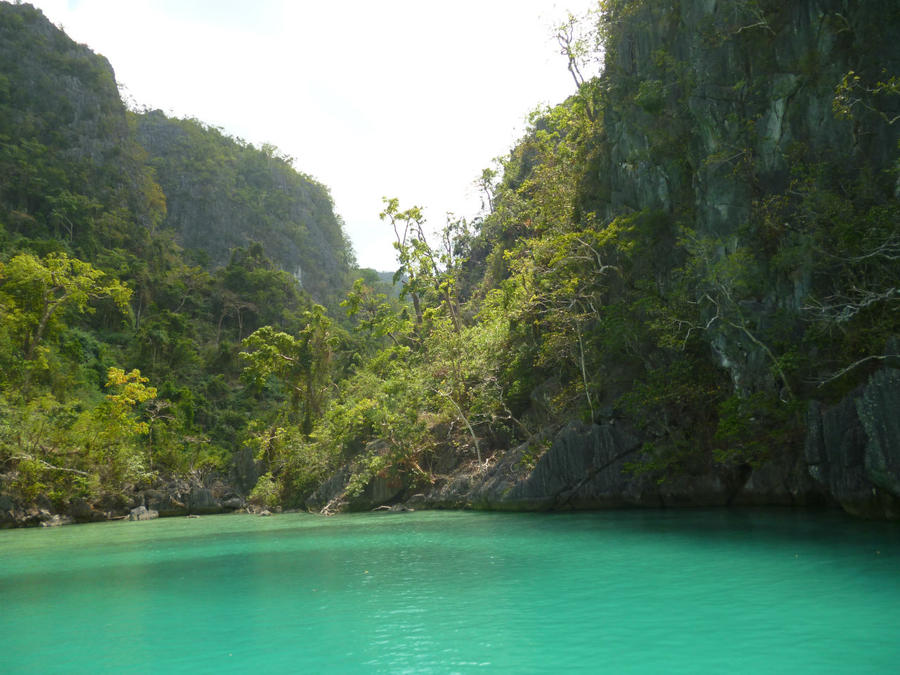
(850, 459)
(164, 498)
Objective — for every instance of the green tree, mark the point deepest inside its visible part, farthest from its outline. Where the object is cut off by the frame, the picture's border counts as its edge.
(36, 292)
(428, 274)
(112, 429)
(302, 363)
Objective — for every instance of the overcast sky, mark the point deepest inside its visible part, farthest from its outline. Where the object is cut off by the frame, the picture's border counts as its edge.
(379, 98)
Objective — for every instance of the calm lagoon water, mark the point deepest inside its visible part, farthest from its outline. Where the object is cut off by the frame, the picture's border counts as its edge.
(624, 591)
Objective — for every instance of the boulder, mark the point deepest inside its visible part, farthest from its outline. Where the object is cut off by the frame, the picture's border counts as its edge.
(56, 520)
(142, 513)
(233, 503)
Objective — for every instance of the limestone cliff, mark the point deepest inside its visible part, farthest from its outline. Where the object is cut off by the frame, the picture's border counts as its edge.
(222, 193)
(67, 152)
(712, 109)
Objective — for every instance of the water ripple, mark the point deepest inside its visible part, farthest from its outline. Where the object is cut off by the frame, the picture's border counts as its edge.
(705, 591)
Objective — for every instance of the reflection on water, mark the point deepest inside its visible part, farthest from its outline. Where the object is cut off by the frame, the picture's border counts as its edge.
(624, 591)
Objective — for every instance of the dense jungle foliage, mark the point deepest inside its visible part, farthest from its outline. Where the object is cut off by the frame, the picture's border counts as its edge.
(695, 244)
(121, 318)
(700, 240)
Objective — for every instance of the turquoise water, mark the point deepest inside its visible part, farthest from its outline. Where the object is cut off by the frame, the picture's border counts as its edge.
(624, 591)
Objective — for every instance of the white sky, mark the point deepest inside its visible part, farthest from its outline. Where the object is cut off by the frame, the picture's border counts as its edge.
(407, 99)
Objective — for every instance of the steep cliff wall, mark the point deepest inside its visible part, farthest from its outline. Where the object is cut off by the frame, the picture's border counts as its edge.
(764, 134)
(67, 152)
(714, 111)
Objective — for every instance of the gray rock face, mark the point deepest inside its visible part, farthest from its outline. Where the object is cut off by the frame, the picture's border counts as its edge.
(206, 215)
(245, 470)
(583, 468)
(168, 497)
(329, 496)
(81, 511)
(332, 495)
(726, 113)
(853, 448)
(7, 509)
(851, 456)
(586, 467)
(203, 500)
(166, 502)
(179, 497)
(37, 514)
(783, 481)
(879, 412)
(380, 490)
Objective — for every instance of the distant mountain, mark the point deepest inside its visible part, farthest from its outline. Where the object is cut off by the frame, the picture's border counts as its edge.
(75, 166)
(223, 193)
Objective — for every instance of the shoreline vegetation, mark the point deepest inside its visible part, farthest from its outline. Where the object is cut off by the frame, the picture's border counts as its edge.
(682, 290)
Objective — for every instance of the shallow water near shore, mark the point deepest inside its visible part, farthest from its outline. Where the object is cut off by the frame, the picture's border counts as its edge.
(618, 591)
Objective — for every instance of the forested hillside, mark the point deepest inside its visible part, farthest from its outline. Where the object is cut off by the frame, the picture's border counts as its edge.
(684, 290)
(222, 194)
(123, 306)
